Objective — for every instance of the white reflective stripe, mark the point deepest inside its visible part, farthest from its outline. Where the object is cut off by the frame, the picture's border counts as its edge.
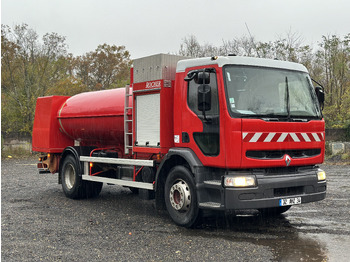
(269, 137)
(255, 137)
(306, 137)
(282, 137)
(295, 137)
(316, 137)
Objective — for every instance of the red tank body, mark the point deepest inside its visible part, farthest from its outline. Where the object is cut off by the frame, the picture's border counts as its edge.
(94, 118)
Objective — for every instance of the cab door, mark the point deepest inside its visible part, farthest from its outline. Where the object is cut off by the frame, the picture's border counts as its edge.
(201, 116)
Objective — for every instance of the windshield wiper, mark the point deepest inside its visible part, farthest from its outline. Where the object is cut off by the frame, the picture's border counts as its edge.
(288, 99)
(271, 117)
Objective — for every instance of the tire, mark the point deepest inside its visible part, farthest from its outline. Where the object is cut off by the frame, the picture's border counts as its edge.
(72, 184)
(181, 197)
(274, 211)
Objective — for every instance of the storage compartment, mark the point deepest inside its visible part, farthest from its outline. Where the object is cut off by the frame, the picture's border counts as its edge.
(156, 67)
(148, 120)
(46, 134)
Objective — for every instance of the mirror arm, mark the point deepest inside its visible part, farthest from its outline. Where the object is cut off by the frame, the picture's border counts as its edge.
(190, 76)
(317, 83)
(203, 111)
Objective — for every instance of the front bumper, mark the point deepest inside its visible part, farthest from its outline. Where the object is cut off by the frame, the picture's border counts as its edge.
(270, 189)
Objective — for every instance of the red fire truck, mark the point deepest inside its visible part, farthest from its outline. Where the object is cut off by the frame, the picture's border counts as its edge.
(218, 133)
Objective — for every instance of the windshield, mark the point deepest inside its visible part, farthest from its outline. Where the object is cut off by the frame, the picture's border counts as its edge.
(269, 92)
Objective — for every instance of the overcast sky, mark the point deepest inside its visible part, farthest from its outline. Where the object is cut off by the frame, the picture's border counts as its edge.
(147, 27)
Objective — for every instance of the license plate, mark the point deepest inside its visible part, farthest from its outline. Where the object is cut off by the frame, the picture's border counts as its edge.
(290, 201)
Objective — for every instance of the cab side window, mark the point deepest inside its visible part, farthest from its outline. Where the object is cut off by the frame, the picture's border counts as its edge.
(203, 100)
(192, 98)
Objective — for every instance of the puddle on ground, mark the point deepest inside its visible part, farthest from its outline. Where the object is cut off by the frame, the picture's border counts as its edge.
(292, 239)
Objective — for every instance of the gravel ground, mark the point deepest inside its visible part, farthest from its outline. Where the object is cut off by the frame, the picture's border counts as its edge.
(38, 223)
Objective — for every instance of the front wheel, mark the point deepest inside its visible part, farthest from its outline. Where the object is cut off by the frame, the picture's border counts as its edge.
(181, 197)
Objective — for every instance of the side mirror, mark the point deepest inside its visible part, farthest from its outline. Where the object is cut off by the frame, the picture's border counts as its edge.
(320, 96)
(202, 78)
(204, 98)
(199, 77)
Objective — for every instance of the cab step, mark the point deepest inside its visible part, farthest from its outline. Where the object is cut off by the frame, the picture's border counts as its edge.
(210, 205)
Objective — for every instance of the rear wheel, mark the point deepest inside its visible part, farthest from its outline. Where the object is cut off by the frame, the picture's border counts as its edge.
(181, 197)
(72, 184)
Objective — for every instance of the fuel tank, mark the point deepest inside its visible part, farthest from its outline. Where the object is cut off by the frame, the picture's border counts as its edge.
(95, 117)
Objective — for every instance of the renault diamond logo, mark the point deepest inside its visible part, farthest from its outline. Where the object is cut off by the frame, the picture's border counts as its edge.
(287, 159)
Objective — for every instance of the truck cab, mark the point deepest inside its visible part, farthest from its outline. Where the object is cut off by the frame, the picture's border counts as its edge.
(256, 131)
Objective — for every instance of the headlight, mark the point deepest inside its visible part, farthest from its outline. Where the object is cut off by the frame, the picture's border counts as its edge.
(239, 181)
(321, 175)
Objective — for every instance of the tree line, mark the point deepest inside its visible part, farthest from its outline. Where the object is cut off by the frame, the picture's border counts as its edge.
(34, 66)
(328, 64)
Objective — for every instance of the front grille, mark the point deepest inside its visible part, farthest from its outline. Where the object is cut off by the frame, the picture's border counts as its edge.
(281, 170)
(288, 191)
(279, 154)
(277, 171)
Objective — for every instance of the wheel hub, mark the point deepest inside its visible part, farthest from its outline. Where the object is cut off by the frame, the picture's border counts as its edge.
(69, 176)
(180, 197)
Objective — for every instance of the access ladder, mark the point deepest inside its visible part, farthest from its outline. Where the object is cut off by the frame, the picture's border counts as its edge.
(128, 137)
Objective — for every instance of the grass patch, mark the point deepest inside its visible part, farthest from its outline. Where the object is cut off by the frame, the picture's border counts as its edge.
(16, 152)
(345, 156)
